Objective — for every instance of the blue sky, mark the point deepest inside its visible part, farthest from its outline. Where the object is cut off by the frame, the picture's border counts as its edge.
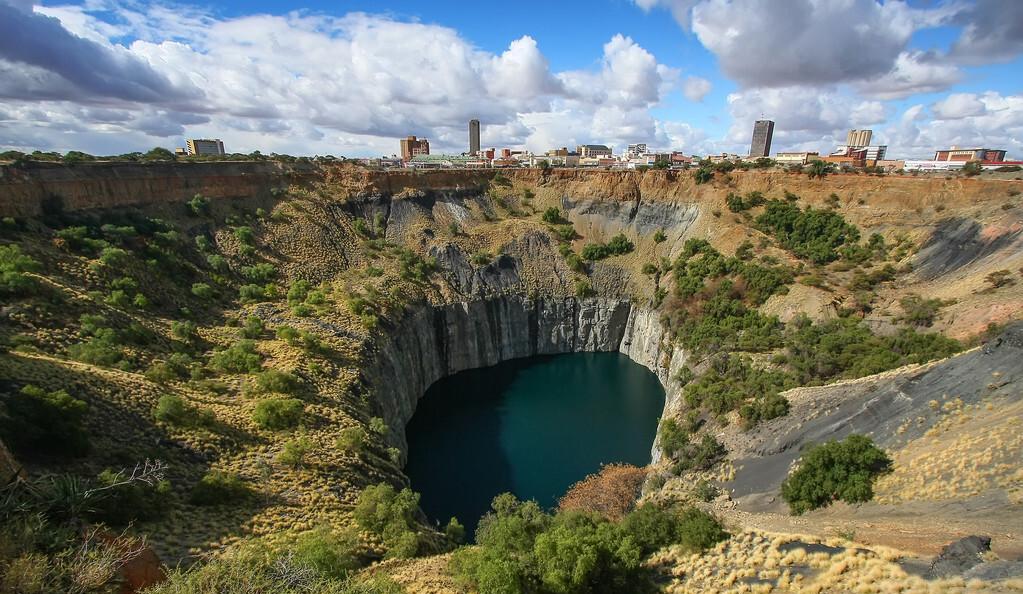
(110, 76)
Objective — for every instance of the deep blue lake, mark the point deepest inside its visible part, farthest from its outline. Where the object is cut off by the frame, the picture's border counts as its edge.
(532, 427)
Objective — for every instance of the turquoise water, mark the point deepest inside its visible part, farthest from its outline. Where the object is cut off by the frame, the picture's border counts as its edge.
(532, 427)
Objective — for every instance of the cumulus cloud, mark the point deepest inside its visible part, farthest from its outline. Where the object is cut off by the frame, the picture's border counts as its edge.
(913, 73)
(38, 48)
(696, 88)
(356, 79)
(958, 106)
(993, 31)
(810, 42)
(996, 123)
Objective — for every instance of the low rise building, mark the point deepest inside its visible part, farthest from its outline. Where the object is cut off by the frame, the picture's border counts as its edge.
(593, 151)
(931, 165)
(204, 146)
(680, 160)
(440, 161)
(970, 154)
(795, 158)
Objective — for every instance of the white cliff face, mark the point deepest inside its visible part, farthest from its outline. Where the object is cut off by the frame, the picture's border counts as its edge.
(429, 343)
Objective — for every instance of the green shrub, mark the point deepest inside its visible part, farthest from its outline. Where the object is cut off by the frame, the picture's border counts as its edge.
(241, 357)
(253, 327)
(813, 234)
(552, 216)
(671, 437)
(703, 175)
(920, 311)
(202, 291)
(113, 257)
(618, 245)
(659, 236)
(482, 258)
(103, 348)
(298, 291)
(37, 423)
(278, 413)
(245, 235)
(198, 205)
(259, 273)
(351, 439)
(220, 488)
(390, 515)
(173, 410)
(379, 426)
(216, 262)
(836, 470)
(294, 452)
(14, 266)
(583, 288)
(702, 455)
(705, 491)
(331, 554)
(280, 382)
(414, 267)
(654, 527)
(184, 331)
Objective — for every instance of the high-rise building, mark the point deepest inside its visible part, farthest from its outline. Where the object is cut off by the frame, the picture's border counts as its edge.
(763, 132)
(858, 138)
(411, 146)
(204, 146)
(474, 137)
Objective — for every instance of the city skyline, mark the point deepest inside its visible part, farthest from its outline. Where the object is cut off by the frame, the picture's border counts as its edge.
(136, 75)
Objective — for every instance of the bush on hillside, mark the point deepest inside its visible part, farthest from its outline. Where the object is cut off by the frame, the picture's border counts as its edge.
(125, 502)
(331, 554)
(612, 492)
(523, 549)
(220, 488)
(174, 410)
(241, 357)
(618, 245)
(278, 413)
(836, 470)
(390, 515)
(813, 234)
(14, 266)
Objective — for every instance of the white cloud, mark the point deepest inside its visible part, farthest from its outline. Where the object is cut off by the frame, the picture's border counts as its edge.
(913, 73)
(957, 106)
(309, 81)
(997, 123)
(696, 88)
(993, 31)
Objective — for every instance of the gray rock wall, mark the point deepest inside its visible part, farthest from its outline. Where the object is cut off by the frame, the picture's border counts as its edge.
(430, 343)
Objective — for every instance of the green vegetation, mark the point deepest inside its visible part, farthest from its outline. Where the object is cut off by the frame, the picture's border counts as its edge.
(703, 175)
(294, 452)
(220, 488)
(920, 311)
(618, 245)
(390, 515)
(737, 203)
(14, 266)
(414, 267)
(836, 470)
(813, 234)
(173, 410)
(523, 549)
(659, 236)
(36, 423)
(552, 216)
(241, 357)
(278, 413)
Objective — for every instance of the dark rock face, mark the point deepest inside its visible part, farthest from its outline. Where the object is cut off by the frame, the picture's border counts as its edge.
(956, 243)
(960, 556)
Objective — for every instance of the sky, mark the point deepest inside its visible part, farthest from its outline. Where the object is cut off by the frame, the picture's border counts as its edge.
(352, 77)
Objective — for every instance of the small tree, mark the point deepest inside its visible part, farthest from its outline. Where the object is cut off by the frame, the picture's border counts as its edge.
(819, 169)
(278, 413)
(836, 470)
